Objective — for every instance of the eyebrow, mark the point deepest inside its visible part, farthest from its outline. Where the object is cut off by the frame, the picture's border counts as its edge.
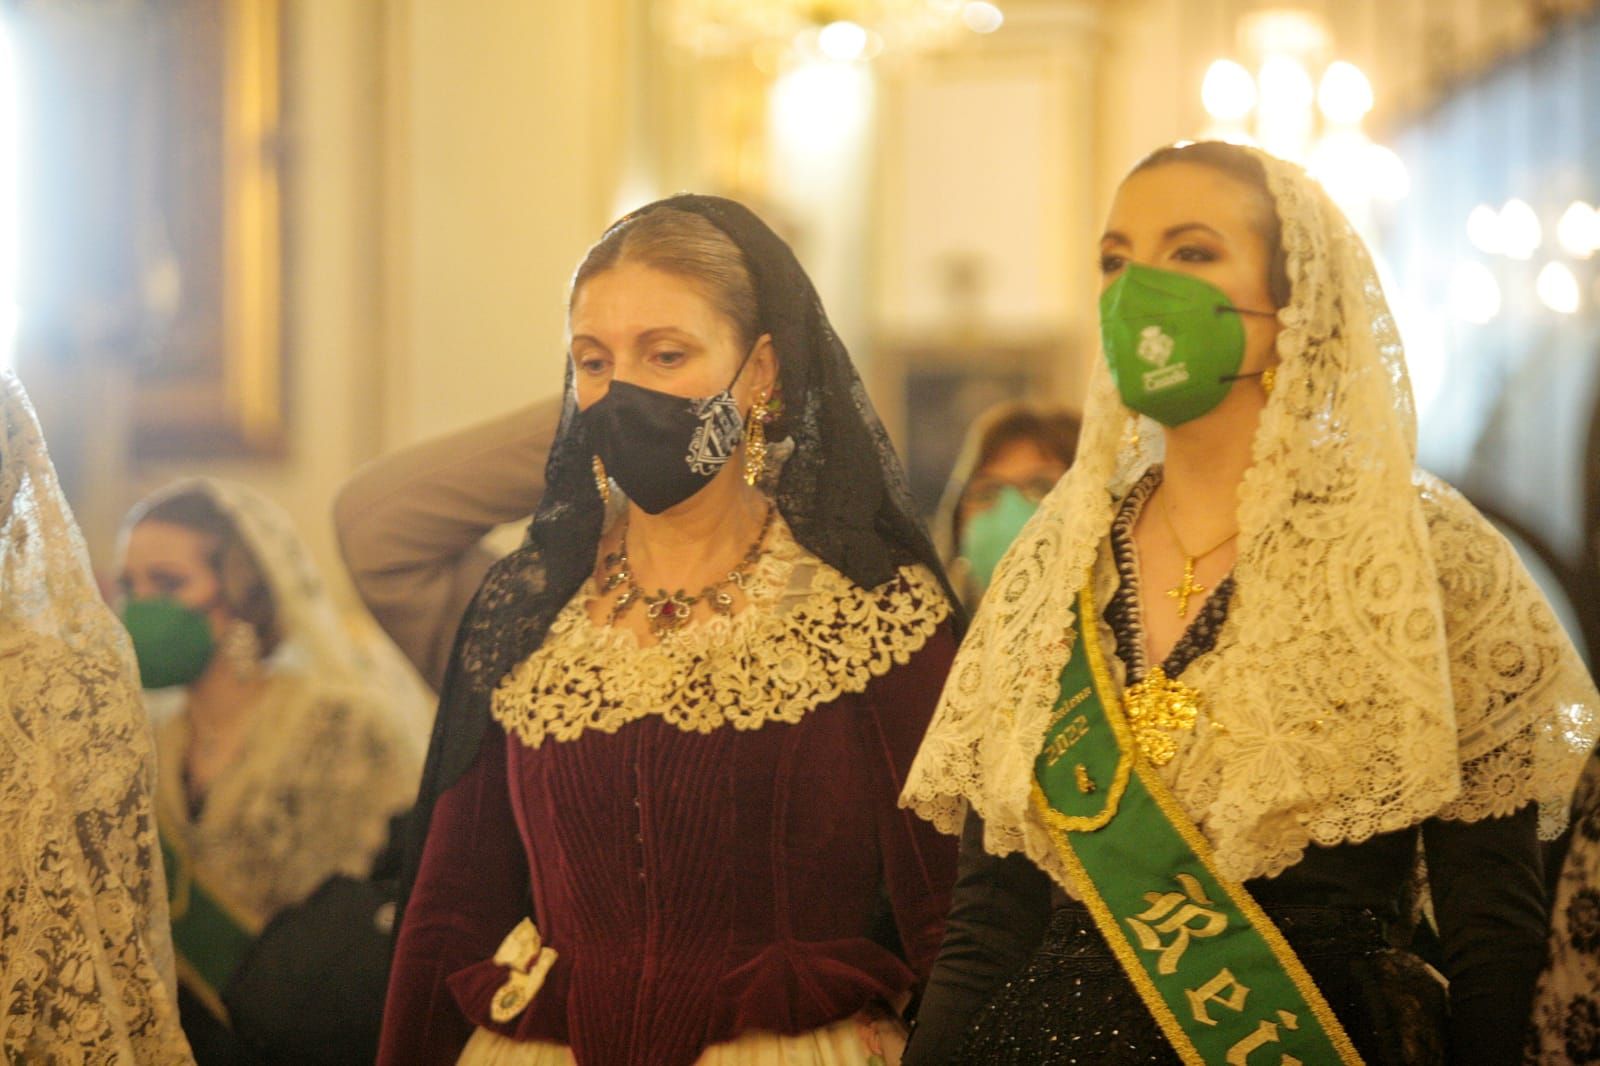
(647, 336)
(1168, 234)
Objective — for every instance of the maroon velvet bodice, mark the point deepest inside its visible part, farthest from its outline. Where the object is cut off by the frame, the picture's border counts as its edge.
(695, 885)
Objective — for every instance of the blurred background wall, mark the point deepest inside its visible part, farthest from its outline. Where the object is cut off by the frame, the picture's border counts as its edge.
(272, 239)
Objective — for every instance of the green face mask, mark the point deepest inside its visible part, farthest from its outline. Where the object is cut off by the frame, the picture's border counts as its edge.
(987, 534)
(1174, 342)
(172, 642)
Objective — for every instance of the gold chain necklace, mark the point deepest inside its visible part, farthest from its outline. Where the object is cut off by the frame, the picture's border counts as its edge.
(668, 612)
(1189, 586)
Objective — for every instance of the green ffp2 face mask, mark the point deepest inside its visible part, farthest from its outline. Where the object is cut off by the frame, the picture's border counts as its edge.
(172, 642)
(1174, 342)
(987, 534)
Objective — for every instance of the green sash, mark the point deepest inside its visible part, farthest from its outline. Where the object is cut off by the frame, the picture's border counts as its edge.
(1217, 975)
(209, 935)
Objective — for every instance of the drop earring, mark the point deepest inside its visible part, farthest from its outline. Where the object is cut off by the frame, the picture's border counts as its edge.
(755, 442)
(242, 648)
(602, 483)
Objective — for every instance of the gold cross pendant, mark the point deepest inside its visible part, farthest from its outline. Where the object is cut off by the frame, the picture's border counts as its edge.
(1187, 589)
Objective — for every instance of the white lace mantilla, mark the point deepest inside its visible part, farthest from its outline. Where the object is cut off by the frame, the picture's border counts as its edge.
(1386, 657)
(807, 636)
(86, 965)
(324, 768)
(81, 953)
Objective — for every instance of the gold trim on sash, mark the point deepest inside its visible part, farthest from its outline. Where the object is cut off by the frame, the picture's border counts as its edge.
(1246, 903)
(1088, 627)
(1062, 829)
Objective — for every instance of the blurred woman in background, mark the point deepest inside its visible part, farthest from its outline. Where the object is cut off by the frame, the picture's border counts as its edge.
(285, 760)
(86, 970)
(1012, 457)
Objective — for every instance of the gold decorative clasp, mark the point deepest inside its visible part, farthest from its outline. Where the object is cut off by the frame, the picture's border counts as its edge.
(524, 953)
(1159, 708)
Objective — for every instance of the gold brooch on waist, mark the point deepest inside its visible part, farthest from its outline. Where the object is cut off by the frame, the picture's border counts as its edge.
(1158, 708)
(524, 954)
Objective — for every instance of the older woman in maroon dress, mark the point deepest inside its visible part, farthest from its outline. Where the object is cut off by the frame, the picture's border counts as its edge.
(662, 789)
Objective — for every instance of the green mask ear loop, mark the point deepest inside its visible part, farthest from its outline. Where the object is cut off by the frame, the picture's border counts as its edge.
(1266, 375)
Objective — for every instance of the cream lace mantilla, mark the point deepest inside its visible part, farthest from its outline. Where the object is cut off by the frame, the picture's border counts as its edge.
(86, 965)
(323, 769)
(1386, 657)
(807, 636)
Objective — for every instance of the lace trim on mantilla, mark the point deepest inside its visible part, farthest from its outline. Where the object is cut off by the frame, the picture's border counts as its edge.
(807, 636)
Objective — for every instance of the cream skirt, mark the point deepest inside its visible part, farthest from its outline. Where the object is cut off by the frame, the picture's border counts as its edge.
(859, 1041)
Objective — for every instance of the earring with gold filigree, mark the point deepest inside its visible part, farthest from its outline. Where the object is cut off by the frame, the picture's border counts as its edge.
(1269, 379)
(755, 441)
(602, 483)
(1132, 441)
(241, 648)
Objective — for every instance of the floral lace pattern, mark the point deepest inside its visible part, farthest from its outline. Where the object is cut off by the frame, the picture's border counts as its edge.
(1385, 658)
(807, 636)
(323, 769)
(86, 968)
(80, 956)
(1566, 1004)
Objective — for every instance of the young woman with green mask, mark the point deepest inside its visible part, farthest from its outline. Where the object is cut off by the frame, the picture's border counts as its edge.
(286, 757)
(1013, 456)
(1245, 663)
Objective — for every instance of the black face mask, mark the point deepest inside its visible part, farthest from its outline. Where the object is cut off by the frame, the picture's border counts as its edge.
(660, 448)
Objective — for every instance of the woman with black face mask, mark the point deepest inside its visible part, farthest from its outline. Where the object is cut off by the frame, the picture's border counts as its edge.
(658, 822)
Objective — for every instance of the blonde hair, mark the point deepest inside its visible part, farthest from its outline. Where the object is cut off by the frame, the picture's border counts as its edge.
(687, 245)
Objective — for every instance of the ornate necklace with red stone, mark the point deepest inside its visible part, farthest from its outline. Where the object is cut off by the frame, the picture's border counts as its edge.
(668, 612)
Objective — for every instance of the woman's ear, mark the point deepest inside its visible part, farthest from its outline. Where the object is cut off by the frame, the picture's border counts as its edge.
(219, 617)
(764, 367)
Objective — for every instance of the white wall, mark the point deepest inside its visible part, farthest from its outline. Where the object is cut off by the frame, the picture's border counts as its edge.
(506, 139)
(987, 158)
(447, 163)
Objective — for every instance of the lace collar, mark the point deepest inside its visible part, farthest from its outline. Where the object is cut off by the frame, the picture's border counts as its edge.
(807, 636)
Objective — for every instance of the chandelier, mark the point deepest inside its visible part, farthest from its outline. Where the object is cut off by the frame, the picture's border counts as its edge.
(1303, 104)
(842, 30)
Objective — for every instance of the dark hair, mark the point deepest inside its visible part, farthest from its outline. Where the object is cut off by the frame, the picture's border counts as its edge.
(1238, 164)
(1053, 430)
(686, 244)
(243, 587)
